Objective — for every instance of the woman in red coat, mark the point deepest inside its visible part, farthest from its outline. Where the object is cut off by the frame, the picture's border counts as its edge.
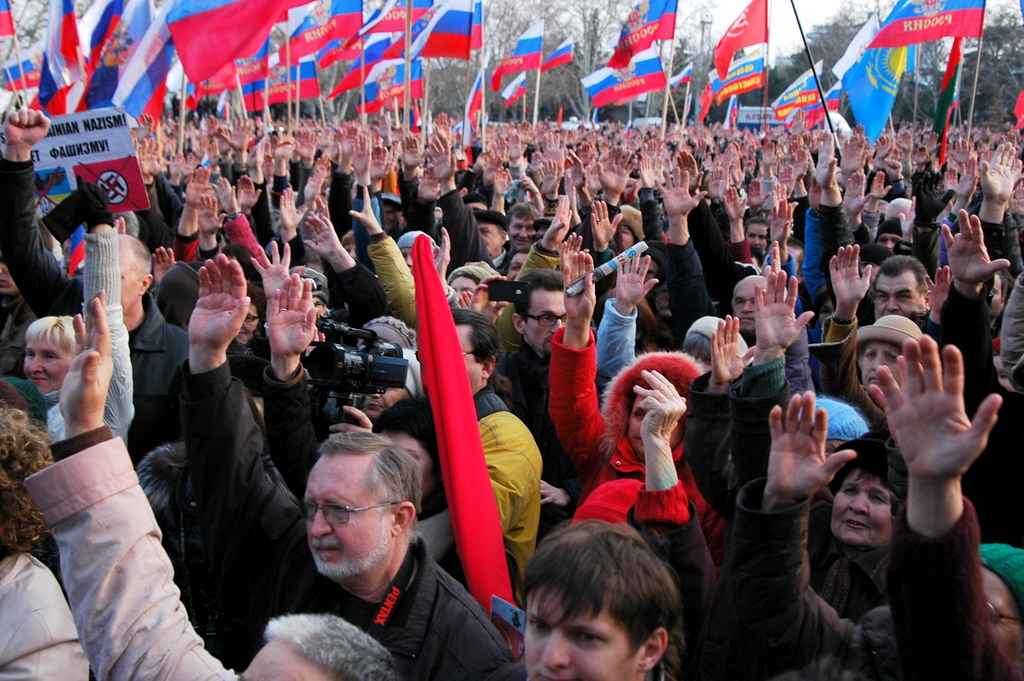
(606, 444)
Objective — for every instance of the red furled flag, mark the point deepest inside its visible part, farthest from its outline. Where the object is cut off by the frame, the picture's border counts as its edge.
(749, 28)
(1018, 111)
(706, 98)
(649, 21)
(947, 93)
(467, 484)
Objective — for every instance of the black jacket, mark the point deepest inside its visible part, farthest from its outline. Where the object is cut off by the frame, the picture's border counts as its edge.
(255, 539)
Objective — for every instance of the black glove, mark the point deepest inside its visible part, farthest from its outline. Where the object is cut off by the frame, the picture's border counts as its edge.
(929, 201)
(88, 204)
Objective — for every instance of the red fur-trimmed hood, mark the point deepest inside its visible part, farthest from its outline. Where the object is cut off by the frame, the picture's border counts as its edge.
(618, 397)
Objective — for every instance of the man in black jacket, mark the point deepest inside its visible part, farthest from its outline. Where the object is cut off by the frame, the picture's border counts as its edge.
(361, 559)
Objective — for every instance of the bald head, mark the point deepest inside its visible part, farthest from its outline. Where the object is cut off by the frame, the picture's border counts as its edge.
(743, 302)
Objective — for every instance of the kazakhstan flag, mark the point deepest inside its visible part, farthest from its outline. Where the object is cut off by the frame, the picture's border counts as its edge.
(871, 86)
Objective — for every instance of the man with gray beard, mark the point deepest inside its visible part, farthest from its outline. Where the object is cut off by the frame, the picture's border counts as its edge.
(362, 558)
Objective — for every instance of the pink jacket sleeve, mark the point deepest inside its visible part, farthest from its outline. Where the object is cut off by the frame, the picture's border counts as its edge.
(118, 577)
(239, 232)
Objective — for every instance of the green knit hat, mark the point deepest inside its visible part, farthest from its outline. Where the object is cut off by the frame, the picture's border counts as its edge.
(36, 402)
(1008, 563)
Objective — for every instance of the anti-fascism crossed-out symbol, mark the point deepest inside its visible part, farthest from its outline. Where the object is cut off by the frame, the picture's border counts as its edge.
(115, 185)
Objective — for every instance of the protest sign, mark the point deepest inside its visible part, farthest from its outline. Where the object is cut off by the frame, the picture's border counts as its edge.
(95, 146)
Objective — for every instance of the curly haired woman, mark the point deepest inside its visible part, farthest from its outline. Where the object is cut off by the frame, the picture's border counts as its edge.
(38, 639)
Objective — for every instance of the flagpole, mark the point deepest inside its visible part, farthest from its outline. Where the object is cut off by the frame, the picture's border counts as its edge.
(288, 81)
(426, 98)
(21, 66)
(407, 86)
(536, 97)
(686, 98)
(181, 115)
(917, 80)
(323, 114)
(241, 95)
(469, 74)
(767, 70)
(675, 111)
(668, 88)
(817, 80)
(974, 90)
(524, 103)
(362, 81)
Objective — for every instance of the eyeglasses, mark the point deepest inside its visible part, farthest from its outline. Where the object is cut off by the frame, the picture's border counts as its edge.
(996, 617)
(336, 514)
(546, 319)
(251, 318)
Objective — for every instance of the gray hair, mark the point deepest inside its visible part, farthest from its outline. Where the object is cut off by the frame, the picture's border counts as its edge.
(394, 476)
(341, 649)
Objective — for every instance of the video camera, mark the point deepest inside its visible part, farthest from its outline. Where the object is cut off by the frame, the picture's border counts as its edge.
(351, 365)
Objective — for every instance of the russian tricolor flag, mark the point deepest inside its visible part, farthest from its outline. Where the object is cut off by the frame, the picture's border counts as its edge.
(313, 26)
(391, 17)
(97, 26)
(642, 74)
(474, 103)
(254, 67)
(911, 22)
(117, 52)
(562, 55)
(444, 31)
(304, 84)
(6, 19)
(682, 77)
(61, 65)
(144, 80)
(731, 113)
(524, 57)
(649, 21)
(76, 255)
(371, 55)
(25, 74)
(212, 33)
(476, 40)
(336, 51)
(514, 90)
(387, 81)
(815, 115)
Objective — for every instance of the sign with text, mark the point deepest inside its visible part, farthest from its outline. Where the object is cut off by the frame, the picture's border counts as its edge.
(95, 146)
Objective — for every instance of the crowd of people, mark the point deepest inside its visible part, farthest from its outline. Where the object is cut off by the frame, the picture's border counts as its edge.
(783, 443)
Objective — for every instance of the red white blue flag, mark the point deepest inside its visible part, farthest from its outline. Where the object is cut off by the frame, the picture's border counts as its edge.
(117, 51)
(6, 19)
(445, 30)
(97, 26)
(391, 17)
(525, 56)
(917, 21)
(24, 74)
(144, 80)
(313, 26)
(642, 74)
(476, 40)
(514, 90)
(682, 77)
(212, 33)
(474, 103)
(336, 51)
(649, 21)
(387, 81)
(371, 55)
(563, 54)
(802, 93)
(255, 66)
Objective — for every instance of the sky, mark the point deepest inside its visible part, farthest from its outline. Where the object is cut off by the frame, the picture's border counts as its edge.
(785, 36)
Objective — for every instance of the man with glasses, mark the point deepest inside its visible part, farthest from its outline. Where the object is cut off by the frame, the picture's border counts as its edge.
(350, 547)
(528, 368)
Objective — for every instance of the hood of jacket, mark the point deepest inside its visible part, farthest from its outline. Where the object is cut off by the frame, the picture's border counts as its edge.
(619, 395)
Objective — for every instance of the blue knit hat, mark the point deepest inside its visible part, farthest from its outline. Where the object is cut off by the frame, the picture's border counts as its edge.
(1008, 563)
(845, 421)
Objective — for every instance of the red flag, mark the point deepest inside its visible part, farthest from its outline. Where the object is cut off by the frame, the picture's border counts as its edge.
(467, 485)
(705, 103)
(1018, 111)
(749, 28)
(559, 121)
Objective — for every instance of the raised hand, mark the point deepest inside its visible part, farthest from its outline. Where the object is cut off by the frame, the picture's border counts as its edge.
(226, 196)
(560, 224)
(273, 270)
(291, 324)
(84, 393)
(727, 362)
(246, 193)
(22, 130)
(664, 410)
(603, 228)
(579, 309)
(290, 215)
(798, 465)
(929, 422)
(825, 173)
(849, 284)
(735, 207)
(366, 215)
(968, 257)
(631, 284)
(218, 314)
(998, 178)
(774, 322)
(163, 261)
(938, 291)
(324, 241)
